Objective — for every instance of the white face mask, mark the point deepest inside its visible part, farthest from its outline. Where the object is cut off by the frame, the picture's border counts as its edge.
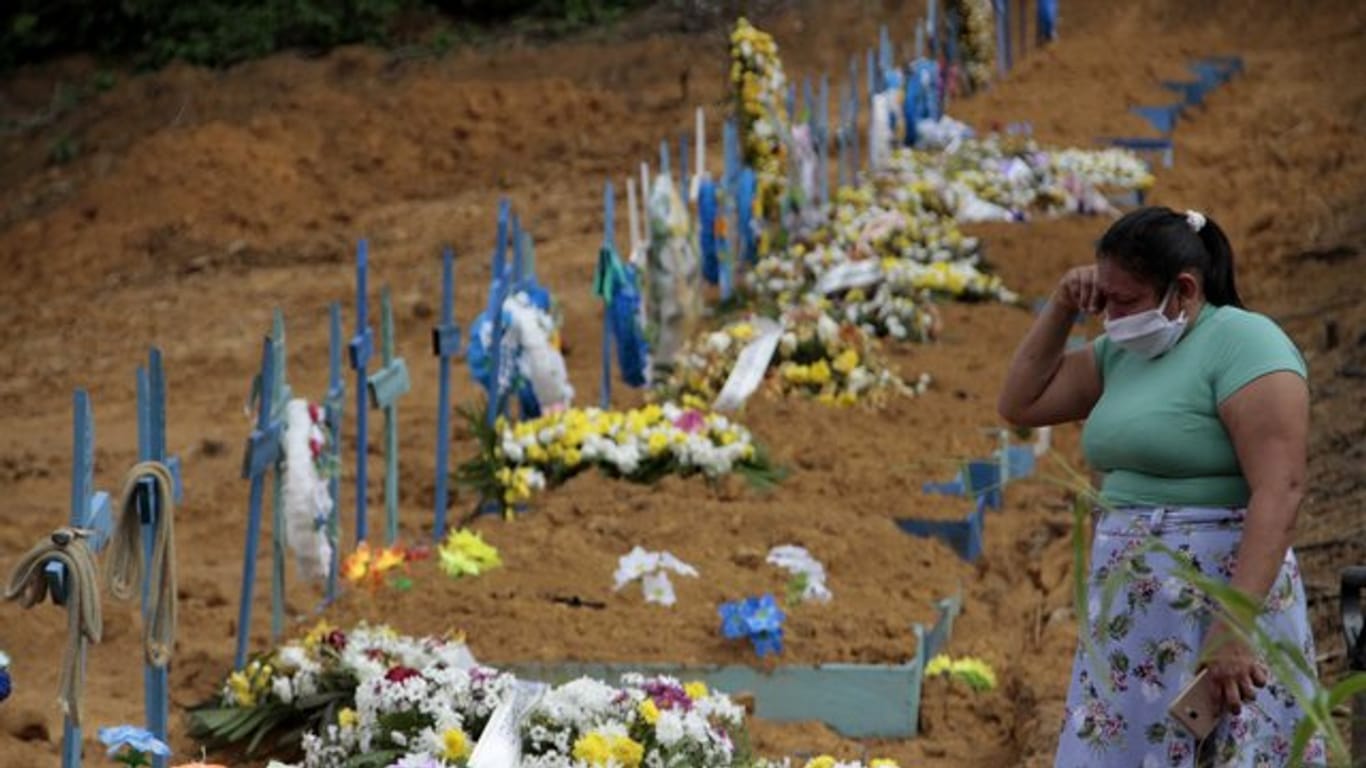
(1147, 334)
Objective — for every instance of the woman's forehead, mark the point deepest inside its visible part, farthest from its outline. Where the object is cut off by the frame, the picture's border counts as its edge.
(1112, 278)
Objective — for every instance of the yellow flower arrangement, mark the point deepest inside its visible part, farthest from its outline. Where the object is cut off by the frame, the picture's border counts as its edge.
(599, 749)
(834, 363)
(640, 445)
(974, 672)
(761, 93)
(465, 553)
(246, 687)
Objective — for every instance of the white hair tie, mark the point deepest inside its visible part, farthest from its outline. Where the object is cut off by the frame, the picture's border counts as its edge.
(1196, 220)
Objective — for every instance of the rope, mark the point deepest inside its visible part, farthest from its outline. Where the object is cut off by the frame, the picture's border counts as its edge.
(125, 564)
(28, 585)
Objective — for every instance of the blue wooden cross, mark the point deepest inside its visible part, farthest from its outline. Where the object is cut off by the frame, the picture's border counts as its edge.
(361, 348)
(962, 536)
(730, 182)
(263, 451)
(90, 511)
(387, 385)
(279, 399)
(498, 292)
(1192, 91)
(683, 166)
(605, 292)
(1162, 119)
(870, 64)
(823, 139)
(445, 345)
(333, 409)
(886, 53)
(853, 120)
(151, 389)
(847, 163)
(1002, 14)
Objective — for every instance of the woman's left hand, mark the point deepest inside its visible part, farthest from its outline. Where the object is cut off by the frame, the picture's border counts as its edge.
(1235, 671)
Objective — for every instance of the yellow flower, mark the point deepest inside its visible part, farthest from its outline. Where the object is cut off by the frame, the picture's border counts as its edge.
(820, 372)
(627, 752)
(347, 718)
(465, 553)
(389, 559)
(742, 331)
(657, 443)
(846, 398)
(240, 686)
(696, 690)
(454, 745)
(316, 635)
(975, 672)
(649, 711)
(883, 762)
(357, 564)
(824, 761)
(847, 361)
(593, 748)
(537, 454)
(938, 665)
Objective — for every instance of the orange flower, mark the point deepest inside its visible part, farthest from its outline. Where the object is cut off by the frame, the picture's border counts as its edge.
(357, 564)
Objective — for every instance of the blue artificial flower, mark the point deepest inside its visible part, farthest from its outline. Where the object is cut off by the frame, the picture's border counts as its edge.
(768, 642)
(132, 737)
(758, 618)
(5, 685)
(733, 620)
(763, 614)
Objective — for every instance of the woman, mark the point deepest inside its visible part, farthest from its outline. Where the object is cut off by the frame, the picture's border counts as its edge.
(1197, 413)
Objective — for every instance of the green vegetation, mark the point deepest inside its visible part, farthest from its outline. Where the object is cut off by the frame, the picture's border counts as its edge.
(152, 33)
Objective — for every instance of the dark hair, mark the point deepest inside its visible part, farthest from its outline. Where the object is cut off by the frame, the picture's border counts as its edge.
(1157, 244)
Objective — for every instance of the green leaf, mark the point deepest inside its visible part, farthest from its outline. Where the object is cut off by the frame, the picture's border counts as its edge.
(1345, 689)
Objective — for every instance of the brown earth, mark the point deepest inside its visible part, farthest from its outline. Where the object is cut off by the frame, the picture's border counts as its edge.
(200, 200)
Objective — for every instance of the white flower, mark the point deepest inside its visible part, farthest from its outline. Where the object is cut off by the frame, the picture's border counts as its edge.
(282, 689)
(669, 728)
(667, 561)
(718, 342)
(658, 589)
(634, 565)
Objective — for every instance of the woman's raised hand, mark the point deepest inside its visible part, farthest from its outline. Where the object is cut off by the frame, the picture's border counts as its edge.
(1079, 290)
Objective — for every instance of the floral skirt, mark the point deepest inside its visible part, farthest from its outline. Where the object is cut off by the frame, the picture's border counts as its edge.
(1147, 641)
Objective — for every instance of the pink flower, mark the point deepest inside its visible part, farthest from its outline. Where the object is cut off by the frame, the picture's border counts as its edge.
(691, 421)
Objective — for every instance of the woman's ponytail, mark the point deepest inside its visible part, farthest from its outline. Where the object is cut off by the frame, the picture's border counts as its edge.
(1220, 287)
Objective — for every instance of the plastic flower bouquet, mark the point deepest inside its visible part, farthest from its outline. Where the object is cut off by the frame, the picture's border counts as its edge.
(645, 721)
(335, 696)
(816, 356)
(640, 445)
(761, 95)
